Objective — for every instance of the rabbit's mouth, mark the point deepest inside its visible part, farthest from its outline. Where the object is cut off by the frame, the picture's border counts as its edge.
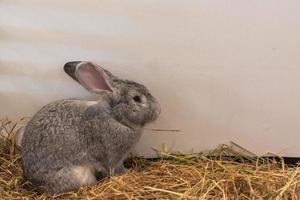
(131, 125)
(155, 112)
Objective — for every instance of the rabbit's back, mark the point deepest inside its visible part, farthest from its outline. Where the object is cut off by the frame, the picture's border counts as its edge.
(53, 133)
(56, 149)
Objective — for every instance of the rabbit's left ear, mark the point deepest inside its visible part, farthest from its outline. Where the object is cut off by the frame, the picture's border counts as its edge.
(90, 76)
(70, 68)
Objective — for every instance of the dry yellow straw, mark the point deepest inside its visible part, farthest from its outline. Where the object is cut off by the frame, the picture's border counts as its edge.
(174, 176)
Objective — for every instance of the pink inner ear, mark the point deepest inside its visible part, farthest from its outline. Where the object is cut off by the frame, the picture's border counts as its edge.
(92, 77)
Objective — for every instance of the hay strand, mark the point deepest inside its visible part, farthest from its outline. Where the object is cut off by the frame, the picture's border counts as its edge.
(174, 176)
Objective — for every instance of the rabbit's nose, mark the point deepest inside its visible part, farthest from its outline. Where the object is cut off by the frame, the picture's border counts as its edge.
(158, 108)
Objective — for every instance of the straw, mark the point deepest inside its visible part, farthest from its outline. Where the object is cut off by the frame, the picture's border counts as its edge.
(216, 175)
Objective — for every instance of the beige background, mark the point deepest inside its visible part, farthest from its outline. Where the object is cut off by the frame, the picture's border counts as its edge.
(222, 70)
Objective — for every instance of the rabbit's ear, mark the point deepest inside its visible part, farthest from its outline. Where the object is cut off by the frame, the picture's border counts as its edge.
(70, 68)
(92, 77)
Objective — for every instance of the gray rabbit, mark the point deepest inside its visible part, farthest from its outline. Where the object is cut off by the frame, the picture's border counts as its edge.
(68, 142)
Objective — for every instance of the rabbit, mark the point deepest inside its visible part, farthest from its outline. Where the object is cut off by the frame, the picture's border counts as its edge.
(68, 142)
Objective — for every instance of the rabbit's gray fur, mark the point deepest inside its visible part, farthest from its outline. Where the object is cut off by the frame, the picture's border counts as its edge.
(68, 141)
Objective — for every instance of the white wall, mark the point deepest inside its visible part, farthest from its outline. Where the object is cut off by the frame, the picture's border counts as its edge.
(222, 70)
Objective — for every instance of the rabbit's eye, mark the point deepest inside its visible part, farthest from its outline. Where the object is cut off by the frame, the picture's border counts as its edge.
(137, 99)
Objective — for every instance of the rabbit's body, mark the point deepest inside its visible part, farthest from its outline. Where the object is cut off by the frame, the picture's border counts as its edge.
(68, 141)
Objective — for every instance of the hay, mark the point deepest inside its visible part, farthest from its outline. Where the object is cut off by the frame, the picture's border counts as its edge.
(174, 176)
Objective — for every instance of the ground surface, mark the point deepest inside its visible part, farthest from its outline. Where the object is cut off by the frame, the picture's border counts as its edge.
(172, 177)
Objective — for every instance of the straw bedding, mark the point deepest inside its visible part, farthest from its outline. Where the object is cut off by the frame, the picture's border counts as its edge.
(174, 176)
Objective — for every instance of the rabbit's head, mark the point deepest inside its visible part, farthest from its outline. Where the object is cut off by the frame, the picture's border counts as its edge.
(131, 102)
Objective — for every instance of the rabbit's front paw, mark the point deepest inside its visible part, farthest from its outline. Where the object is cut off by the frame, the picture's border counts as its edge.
(120, 170)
